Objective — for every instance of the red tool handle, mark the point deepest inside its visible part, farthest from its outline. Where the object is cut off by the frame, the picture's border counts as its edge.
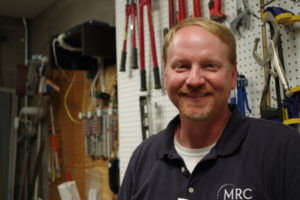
(153, 48)
(215, 7)
(142, 50)
(54, 143)
(124, 52)
(181, 10)
(133, 12)
(172, 20)
(157, 84)
(197, 8)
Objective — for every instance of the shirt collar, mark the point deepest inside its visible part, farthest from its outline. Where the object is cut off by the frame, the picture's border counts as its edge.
(233, 134)
(231, 138)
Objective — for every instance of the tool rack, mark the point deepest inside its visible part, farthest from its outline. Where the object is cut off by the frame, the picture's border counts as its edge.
(129, 81)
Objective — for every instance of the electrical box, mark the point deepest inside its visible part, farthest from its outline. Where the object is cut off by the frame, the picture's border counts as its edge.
(93, 38)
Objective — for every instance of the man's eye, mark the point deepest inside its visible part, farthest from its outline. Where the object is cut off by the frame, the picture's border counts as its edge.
(211, 66)
(181, 67)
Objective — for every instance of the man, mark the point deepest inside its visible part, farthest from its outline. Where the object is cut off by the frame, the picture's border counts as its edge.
(209, 151)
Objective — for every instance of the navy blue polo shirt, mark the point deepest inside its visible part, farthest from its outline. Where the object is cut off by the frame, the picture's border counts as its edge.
(253, 159)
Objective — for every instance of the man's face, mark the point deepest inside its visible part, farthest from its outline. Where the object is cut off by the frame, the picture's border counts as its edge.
(198, 74)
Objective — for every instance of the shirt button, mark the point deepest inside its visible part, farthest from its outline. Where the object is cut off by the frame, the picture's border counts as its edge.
(182, 169)
(191, 190)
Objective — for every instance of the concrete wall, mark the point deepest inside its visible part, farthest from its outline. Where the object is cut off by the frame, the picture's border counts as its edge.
(65, 14)
(11, 50)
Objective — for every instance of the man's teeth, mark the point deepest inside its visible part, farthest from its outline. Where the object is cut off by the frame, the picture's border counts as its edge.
(198, 95)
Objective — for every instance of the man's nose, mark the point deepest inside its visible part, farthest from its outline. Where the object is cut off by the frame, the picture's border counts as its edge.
(196, 77)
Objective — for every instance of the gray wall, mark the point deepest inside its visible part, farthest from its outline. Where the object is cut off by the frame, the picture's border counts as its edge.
(58, 18)
(65, 14)
(11, 51)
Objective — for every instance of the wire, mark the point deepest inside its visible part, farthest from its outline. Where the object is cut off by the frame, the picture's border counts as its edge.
(65, 102)
(56, 62)
(64, 45)
(93, 90)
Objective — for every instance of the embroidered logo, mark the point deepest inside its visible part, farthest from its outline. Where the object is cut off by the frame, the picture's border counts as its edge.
(231, 192)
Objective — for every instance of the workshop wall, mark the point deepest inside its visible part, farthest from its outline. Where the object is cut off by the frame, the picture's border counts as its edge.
(11, 50)
(160, 109)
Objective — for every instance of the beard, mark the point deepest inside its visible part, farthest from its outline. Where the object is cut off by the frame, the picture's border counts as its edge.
(196, 111)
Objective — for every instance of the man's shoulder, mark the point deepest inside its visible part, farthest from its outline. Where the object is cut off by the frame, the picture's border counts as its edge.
(153, 144)
(269, 130)
(269, 126)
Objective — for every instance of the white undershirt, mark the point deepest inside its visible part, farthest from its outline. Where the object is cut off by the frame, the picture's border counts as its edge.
(191, 157)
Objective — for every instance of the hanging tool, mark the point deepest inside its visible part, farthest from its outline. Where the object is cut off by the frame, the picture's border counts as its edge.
(283, 16)
(130, 12)
(172, 18)
(242, 19)
(181, 10)
(134, 54)
(36, 169)
(54, 143)
(242, 100)
(147, 3)
(215, 7)
(266, 111)
(291, 106)
(146, 116)
(197, 8)
(265, 53)
(124, 52)
(277, 72)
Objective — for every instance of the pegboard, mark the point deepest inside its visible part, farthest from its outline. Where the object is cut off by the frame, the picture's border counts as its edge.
(161, 108)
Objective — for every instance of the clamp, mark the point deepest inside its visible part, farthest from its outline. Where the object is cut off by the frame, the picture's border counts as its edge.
(272, 54)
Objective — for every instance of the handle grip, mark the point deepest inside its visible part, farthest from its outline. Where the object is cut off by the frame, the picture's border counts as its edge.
(143, 80)
(134, 59)
(156, 77)
(123, 61)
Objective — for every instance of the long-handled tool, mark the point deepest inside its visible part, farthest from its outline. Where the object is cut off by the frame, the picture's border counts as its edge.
(172, 18)
(147, 3)
(54, 144)
(277, 71)
(124, 51)
(134, 54)
(273, 55)
(197, 8)
(130, 12)
(181, 10)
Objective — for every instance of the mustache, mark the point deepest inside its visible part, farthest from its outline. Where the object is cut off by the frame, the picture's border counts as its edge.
(185, 90)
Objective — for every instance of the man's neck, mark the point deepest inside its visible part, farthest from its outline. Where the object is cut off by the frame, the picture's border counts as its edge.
(198, 134)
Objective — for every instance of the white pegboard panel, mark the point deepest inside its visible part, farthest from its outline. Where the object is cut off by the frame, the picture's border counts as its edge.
(162, 109)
